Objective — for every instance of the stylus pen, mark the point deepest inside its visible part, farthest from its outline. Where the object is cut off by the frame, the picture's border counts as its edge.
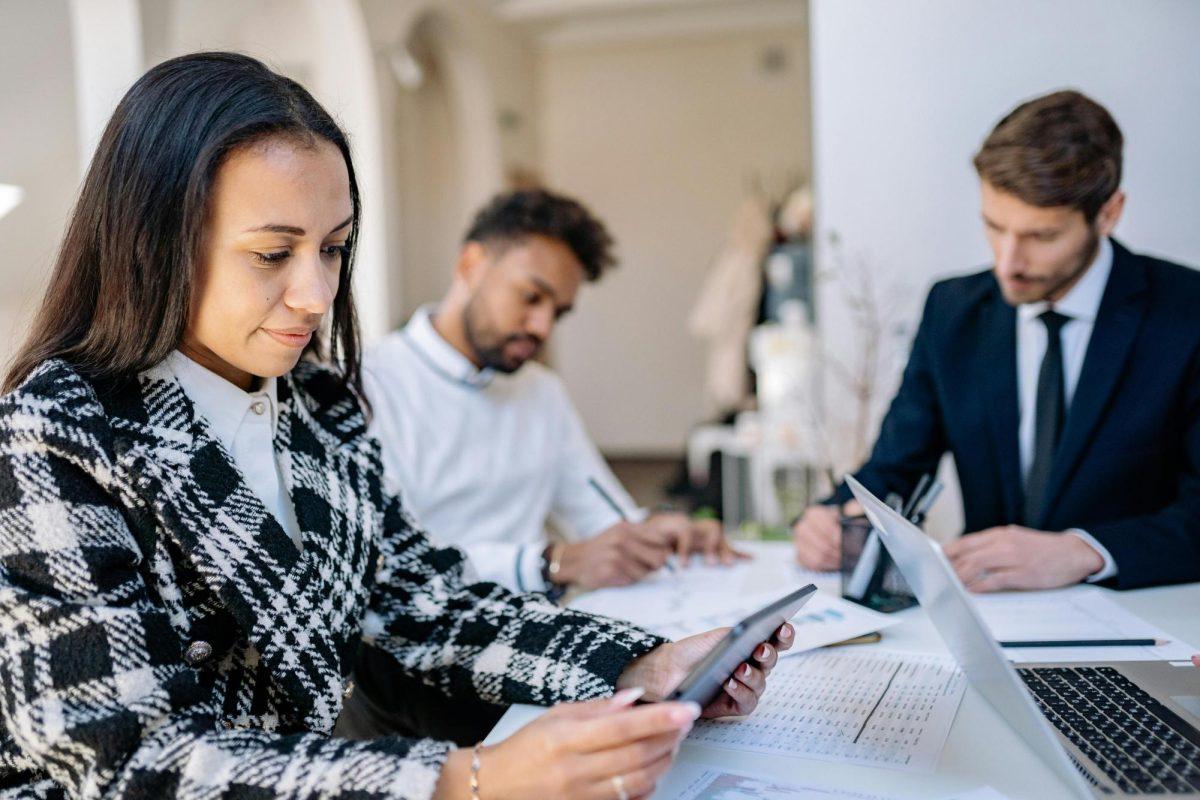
(922, 508)
(608, 498)
(915, 497)
(1090, 643)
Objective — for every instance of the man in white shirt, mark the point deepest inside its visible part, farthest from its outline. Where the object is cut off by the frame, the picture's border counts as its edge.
(483, 441)
(485, 447)
(1065, 380)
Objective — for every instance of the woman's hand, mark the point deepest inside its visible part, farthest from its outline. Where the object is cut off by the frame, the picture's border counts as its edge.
(601, 749)
(664, 667)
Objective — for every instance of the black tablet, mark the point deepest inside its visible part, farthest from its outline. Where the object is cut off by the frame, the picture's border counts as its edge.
(703, 683)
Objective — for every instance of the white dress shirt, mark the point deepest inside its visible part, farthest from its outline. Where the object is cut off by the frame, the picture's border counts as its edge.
(484, 459)
(244, 423)
(1081, 303)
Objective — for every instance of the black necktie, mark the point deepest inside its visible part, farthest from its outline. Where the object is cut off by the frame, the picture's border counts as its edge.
(1050, 412)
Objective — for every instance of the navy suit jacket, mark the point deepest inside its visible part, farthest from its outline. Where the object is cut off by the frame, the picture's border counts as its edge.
(1128, 465)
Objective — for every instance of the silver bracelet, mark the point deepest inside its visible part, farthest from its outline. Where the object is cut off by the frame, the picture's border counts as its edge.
(475, 771)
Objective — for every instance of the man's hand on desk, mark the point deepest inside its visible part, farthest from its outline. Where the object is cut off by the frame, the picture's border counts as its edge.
(818, 535)
(664, 667)
(628, 552)
(621, 555)
(1012, 557)
(705, 537)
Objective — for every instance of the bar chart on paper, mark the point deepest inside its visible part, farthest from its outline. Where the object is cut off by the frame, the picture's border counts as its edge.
(703, 783)
(878, 709)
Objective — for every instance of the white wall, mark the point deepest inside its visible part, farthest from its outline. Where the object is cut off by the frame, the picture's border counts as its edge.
(660, 137)
(903, 94)
(37, 152)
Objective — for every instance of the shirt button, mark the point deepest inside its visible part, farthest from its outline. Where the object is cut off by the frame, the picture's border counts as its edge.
(258, 407)
(197, 652)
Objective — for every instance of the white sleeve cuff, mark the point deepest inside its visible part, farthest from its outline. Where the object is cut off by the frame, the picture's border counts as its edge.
(529, 568)
(1109, 569)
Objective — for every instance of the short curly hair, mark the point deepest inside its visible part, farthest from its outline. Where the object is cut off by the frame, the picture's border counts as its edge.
(512, 216)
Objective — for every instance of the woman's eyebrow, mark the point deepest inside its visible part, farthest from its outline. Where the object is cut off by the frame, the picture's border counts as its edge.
(292, 229)
(346, 222)
(276, 228)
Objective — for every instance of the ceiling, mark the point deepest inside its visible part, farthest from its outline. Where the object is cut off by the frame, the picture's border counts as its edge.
(567, 23)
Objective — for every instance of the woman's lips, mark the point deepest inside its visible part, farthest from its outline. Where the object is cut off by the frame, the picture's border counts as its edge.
(290, 339)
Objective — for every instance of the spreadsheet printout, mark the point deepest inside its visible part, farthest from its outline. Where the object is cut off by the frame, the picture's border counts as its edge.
(879, 708)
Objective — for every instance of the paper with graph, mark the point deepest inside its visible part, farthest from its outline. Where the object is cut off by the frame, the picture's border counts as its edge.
(701, 598)
(871, 707)
(704, 782)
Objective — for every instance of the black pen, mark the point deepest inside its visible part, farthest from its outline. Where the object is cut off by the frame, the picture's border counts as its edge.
(608, 498)
(1090, 643)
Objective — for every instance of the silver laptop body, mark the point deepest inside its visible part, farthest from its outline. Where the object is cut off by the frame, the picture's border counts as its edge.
(953, 614)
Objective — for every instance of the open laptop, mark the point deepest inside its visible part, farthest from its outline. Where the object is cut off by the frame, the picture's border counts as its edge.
(1112, 729)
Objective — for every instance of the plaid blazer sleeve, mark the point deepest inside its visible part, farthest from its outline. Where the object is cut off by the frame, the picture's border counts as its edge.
(480, 639)
(94, 692)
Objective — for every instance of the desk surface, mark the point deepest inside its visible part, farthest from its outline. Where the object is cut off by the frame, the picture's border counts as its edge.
(981, 750)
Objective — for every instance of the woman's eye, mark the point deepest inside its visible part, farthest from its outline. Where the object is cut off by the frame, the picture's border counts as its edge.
(336, 250)
(272, 257)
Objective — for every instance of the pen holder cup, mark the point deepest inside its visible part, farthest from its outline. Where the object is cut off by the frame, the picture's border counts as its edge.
(869, 576)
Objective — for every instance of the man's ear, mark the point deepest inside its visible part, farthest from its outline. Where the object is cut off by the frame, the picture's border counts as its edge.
(472, 261)
(1110, 213)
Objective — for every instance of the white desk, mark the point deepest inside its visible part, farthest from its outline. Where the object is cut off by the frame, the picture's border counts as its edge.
(981, 750)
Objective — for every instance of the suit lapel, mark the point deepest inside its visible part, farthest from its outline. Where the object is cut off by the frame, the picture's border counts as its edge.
(1117, 324)
(238, 548)
(997, 381)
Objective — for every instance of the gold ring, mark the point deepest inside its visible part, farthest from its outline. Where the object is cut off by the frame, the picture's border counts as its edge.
(619, 786)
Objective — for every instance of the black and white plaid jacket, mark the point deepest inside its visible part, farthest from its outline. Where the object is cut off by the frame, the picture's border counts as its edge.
(161, 636)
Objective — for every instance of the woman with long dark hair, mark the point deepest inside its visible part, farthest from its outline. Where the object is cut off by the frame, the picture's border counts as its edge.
(193, 533)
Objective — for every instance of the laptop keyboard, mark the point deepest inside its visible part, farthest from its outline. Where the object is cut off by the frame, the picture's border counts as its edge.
(1143, 746)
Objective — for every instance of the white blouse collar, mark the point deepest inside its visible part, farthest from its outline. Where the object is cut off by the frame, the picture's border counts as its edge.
(223, 404)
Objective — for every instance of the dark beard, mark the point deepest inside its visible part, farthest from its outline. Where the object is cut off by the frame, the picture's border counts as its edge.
(487, 346)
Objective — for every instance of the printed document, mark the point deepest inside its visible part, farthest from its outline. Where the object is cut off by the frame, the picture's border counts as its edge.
(877, 708)
(701, 782)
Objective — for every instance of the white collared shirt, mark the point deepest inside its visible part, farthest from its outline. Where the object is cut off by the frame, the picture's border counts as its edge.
(1081, 303)
(483, 458)
(244, 423)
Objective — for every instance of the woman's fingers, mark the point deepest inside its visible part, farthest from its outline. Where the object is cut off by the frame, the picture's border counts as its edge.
(626, 758)
(744, 696)
(785, 637)
(630, 725)
(753, 678)
(637, 783)
(641, 782)
(765, 657)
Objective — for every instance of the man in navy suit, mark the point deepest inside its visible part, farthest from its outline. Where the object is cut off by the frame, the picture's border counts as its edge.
(1065, 380)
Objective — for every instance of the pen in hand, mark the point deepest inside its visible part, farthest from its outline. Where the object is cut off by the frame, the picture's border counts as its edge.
(608, 498)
